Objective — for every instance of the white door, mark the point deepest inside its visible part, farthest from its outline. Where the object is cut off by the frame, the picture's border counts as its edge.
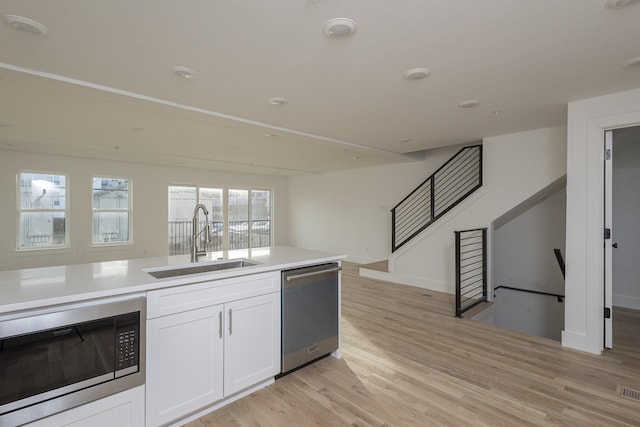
(252, 341)
(608, 239)
(184, 363)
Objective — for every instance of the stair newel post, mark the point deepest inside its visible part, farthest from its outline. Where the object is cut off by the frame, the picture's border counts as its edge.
(393, 229)
(433, 197)
(484, 264)
(458, 291)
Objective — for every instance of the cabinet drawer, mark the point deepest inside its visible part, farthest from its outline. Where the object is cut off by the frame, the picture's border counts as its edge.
(189, 297)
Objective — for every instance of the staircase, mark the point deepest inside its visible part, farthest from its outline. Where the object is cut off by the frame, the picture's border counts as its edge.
(453, 182)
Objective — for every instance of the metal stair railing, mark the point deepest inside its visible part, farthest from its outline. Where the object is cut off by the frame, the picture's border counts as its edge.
(471, 269)
(442, 191)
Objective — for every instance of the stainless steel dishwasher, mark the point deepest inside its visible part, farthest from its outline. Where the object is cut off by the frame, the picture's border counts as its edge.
(309, 314)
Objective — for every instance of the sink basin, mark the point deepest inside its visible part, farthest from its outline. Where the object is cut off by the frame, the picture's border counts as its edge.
(200, 268)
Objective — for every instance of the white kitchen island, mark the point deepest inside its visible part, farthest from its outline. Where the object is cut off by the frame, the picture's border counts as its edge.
(211, 337)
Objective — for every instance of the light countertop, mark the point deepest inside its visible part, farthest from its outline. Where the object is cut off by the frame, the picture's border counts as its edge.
(39, 287)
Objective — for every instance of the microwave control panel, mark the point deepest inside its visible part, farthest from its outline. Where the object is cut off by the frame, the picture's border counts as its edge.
(127, 341)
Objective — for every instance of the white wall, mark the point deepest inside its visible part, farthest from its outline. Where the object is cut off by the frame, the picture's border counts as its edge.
(149, 206)
(533, 314)
(587, 121)
(515, 167)
(625, 225)
(349, 211)
(523, 247)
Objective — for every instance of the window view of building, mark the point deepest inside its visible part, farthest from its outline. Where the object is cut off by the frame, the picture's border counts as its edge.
(247, 225)
(43, 211)
(111, 211)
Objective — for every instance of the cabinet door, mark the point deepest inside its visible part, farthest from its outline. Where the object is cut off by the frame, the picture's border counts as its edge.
(184, 363)
(252, 341)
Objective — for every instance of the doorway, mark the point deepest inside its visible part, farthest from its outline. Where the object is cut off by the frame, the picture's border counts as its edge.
(622, 204)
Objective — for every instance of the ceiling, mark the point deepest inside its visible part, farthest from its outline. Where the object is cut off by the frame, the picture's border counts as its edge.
(99, 83)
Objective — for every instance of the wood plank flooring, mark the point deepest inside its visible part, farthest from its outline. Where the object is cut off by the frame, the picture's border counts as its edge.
(408, 362)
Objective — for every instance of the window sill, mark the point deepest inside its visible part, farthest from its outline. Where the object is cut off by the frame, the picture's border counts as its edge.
(110, 246)
(44, 251)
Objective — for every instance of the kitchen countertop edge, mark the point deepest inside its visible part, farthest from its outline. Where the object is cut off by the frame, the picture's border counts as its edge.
(35, 288)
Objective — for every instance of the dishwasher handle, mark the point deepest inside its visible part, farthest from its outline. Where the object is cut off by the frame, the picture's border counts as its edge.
(312, 273)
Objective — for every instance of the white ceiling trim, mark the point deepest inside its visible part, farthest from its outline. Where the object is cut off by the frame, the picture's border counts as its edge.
(167, 103)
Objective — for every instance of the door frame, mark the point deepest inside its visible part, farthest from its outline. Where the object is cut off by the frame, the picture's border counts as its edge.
(588, 119)
(607, 308)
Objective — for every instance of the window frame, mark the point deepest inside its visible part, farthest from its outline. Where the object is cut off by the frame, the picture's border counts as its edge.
(250, 218)
(20, 210)
(129, 210)
(225, 205)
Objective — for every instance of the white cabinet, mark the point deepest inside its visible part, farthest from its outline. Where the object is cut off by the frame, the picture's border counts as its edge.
(199, 354)
(252, 341)
(184, 363)
(124, 409)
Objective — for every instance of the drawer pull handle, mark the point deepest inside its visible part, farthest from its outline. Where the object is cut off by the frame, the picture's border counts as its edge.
(220, 321)
(230, 322)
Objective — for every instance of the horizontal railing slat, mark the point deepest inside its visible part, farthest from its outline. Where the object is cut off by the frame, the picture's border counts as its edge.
(455, 180)
(470, 271)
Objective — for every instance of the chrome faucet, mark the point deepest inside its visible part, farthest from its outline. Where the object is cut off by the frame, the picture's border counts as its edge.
(195, 253)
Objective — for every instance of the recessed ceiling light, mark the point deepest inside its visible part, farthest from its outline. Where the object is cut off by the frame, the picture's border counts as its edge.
(340, 28)
(470, 103)
(633, 63)
(278, 100)
(183, 72)
(25, 24)
(619, 4)
(417, 73)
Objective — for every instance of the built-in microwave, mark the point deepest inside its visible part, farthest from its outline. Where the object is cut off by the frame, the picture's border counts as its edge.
(55, 359)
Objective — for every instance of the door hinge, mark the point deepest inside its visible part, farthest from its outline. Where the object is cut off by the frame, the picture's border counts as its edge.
(607, 154)
(607, 233)
(607, 313)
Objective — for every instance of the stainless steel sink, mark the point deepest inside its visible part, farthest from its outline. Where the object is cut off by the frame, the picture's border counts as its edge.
(201, 268)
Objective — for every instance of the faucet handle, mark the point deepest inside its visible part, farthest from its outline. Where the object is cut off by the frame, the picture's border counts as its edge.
(207, 233)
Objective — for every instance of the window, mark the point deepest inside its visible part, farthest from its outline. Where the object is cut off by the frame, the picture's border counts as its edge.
(182, 201)
(238, 219)
(42, 213)
(248, 213)
(260, 218)
(111, 211)
(249, 219)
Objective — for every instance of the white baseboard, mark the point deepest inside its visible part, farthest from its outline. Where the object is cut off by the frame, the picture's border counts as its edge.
(626, 301)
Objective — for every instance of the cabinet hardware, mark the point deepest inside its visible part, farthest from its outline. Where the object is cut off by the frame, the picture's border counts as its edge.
(313, 273)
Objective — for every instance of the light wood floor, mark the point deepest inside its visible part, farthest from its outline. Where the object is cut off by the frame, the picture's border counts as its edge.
(408, 362)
